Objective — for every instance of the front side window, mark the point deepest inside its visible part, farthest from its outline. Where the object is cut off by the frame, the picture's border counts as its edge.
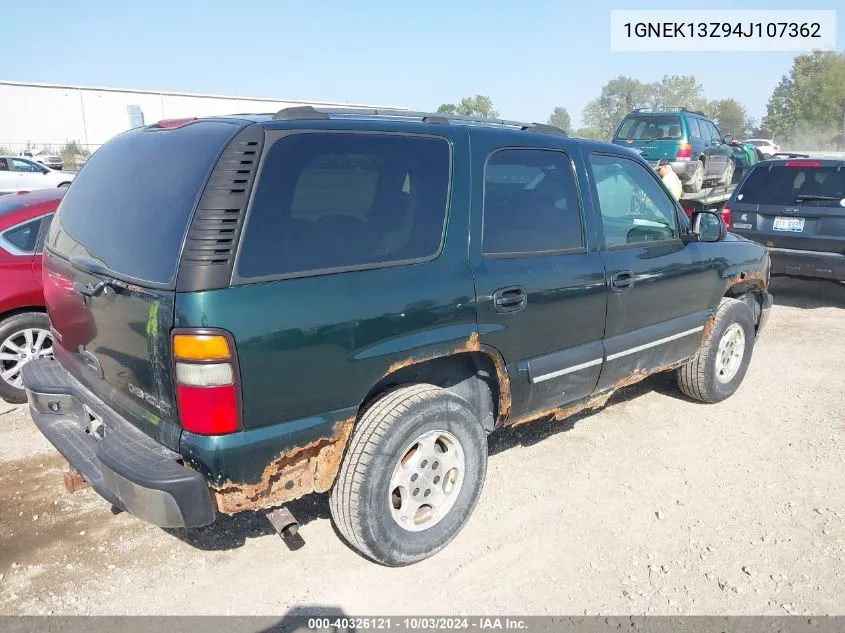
(531, 203)
(634, 207)
(335, 201)
(25, 165)
(23, 238)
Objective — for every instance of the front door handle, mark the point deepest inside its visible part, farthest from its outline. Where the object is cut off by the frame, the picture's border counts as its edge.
(511, 299)
(623, 281)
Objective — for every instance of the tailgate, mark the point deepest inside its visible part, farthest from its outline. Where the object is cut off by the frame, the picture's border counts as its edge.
(797, 205)
(111, 261)
(116, 343)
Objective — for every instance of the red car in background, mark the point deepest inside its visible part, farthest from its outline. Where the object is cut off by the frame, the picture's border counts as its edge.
(24, 327)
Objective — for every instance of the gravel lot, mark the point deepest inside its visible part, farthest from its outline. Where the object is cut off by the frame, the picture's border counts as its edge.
(653, 505)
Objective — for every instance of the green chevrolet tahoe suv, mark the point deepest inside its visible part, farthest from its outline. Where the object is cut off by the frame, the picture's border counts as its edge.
(249, 309)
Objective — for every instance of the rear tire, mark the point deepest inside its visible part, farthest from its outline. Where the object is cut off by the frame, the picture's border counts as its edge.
(13, 333)
(697, 181)
(398, 440)
(716, 370)
(728, 176)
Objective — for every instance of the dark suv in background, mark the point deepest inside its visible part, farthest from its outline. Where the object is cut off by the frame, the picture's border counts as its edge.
(796, 208)
(249, 309)
(686, 138)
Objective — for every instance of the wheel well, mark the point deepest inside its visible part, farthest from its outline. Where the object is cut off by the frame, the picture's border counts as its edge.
(752, 295)
(470, 375)
(16, 311)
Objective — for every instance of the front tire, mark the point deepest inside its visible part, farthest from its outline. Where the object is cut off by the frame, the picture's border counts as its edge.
(716, 370)
(411, 476)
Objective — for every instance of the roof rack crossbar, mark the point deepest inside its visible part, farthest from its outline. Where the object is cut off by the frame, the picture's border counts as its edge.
(299, 113)
(670, 109)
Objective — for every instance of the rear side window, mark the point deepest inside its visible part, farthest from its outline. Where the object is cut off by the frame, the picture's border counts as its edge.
(23, 238)
(341, 201)
(650, 128)
(131, 206)
(815, 186)
(530, 203)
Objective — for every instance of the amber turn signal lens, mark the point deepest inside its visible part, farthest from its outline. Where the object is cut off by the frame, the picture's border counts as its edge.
(200, 347)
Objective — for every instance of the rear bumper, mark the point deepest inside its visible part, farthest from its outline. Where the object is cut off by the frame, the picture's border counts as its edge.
(127, 468)
(812, 264)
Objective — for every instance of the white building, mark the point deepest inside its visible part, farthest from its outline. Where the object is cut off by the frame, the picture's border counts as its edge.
(39, 115)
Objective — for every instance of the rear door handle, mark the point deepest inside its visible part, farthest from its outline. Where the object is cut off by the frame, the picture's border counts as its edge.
(511, 299)
(623, 281)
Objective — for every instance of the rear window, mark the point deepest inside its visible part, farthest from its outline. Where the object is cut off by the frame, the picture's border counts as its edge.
(651, 128)
(130, 206)
(816, 186)
(334, 201)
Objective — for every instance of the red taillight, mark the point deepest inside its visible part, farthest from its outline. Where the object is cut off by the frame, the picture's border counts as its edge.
(726, 216)
(208, 410)
(689, 212)
(684, 151)
(171, 123)
(207, 389)
(803, 163)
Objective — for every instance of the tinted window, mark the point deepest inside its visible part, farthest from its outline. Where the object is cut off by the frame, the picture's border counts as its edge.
(131, 205)
(24, 236)
(714, 133)
(645, 128)
(530, 203)
(4, 166)
(634, 207)
(692, 126)
(794, 185)
(336, 201)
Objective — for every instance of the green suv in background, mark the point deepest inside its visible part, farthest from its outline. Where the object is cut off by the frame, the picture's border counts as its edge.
(250, 309)
(687, 139)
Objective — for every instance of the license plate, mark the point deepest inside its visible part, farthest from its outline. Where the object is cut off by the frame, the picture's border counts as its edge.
(793, 225)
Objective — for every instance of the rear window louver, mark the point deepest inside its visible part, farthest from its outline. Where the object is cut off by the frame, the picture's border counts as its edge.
(209, 251)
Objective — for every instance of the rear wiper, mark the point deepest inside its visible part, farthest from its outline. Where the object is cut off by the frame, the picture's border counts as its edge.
(93, 266)
(810, 196)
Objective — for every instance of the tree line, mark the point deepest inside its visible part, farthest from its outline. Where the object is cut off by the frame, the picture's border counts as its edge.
(805, 111)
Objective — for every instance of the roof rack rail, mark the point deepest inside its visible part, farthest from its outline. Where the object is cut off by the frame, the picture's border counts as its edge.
(789, 155)
(670, 109)
(299, 113)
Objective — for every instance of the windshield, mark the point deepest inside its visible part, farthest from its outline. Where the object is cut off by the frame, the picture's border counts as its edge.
(651, 128)
(821, 186)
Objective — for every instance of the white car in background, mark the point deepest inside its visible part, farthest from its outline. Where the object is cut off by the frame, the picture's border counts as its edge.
(23, 174)
(766, 146)
(48, 160)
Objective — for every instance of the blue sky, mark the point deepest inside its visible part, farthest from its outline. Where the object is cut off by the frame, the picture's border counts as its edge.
(527, 56)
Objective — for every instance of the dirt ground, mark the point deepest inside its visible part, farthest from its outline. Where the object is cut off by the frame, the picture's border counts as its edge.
(652, 505)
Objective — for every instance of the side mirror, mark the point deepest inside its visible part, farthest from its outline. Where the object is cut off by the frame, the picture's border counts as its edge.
(708, 225)
(727, 138)
(45, 171)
